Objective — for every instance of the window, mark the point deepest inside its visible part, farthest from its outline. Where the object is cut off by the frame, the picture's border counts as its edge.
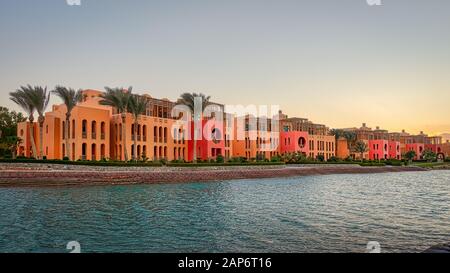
(302, 142)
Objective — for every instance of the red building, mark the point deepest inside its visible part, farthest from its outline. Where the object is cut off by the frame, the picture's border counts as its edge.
(394, 150)
(294, 142)
(378, 149)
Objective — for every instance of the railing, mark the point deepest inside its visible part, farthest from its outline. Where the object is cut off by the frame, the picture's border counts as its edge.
(144, 138)
(84, 135)
(102, 136)
(139, 138)
(83, 157)
(94, 136)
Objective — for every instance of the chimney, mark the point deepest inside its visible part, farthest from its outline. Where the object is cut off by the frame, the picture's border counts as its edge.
(378, 127)
(403, 131)
(364, 125)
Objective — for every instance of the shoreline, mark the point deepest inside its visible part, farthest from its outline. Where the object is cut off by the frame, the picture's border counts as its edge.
(48, 175)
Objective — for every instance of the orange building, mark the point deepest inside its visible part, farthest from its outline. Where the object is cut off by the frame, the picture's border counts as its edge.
(96, 132)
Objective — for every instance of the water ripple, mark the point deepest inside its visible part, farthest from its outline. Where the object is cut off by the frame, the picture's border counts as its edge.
(405, 212)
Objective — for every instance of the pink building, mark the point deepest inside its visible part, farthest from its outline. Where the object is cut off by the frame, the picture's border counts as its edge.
(378, 149)
(419, 148)
(294, 141)
(208, 148)
(394, 150)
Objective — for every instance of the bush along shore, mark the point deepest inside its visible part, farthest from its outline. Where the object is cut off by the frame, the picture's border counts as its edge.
(221, 162)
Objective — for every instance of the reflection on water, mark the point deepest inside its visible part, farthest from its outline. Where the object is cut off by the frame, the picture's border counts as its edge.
(405, 212)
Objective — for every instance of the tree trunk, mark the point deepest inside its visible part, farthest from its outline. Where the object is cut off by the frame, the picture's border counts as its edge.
(66, 129)
(135, 157)
(41, 139)
(194, 159)
(33, 143)
(124, 133)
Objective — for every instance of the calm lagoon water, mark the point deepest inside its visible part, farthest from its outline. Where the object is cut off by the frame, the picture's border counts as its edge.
(404, 212)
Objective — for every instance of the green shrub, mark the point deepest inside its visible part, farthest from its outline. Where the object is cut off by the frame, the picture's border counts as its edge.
(220, 159)
(373, 164)
(275, 159)
(225, 164)
(394, 162)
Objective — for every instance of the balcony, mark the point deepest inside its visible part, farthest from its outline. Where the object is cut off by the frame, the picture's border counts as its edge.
(139, 138)
(94, 136)
(102, 136)
(84, 135)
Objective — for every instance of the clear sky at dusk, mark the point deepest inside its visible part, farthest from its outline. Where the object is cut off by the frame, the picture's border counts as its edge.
(340, 63)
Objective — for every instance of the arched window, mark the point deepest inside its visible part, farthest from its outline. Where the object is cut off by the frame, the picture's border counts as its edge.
(63, 130)
(103, 151)
(155, 134)
(84, 128)
(165, 134)
(144, 133)
(160, 132)
(302, 142)
(103, 130)
(120, 132)
(83, 151)
(94, 129)
(94, 152)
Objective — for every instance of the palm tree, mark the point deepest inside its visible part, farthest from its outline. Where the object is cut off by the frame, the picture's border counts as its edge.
(188, 100)
(12, 142)
(338, 133)
(361, 148)
(137, 106)
(410, 155)
(22, 98)
(119, 98)
(351, 138)
(40, 98)
(70, 98)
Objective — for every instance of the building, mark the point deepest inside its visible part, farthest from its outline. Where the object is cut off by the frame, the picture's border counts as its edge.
(98, 132)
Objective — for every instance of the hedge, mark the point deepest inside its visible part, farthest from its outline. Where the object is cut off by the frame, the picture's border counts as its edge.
(225, 164)
(323, 163)
(84, 163)
(372, 164)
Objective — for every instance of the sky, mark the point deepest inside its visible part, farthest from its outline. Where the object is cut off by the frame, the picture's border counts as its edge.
(339, 63)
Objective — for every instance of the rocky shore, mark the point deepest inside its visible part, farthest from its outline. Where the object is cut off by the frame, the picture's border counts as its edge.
(48, 175)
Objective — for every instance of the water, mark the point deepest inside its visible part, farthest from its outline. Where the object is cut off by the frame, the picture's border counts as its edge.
(404, 212)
